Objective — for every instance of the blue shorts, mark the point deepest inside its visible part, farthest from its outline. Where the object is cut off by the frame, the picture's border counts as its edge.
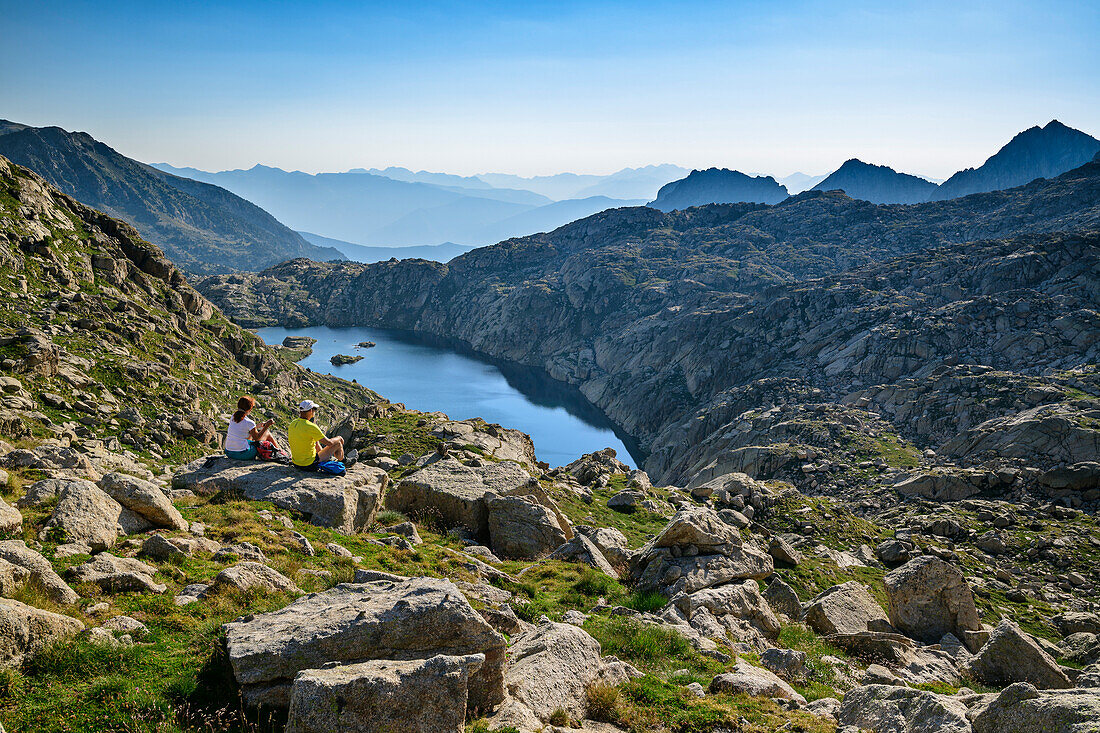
(247, 454)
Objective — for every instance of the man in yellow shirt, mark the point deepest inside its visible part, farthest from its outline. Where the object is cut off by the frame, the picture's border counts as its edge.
(308, 445)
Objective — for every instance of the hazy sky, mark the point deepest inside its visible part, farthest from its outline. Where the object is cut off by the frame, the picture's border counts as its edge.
(529, 87)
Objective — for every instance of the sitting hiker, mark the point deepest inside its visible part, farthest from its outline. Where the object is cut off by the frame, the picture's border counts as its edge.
(308, 445)
(244, 436)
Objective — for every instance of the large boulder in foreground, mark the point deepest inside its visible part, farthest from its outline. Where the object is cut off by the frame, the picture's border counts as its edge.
(413, 696)
(890, 709)
(144, 498)
(345, 503)
(456, 495)
(847, 608)
(756, 681)
(927, 598)
(84, 515)
(523, 529)
(1021, 708)
(1011, 656)
(26, 630)
(41, 571)
(399, 619)
(549, 667)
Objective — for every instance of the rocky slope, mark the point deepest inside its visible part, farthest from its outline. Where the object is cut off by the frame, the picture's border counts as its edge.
(202, 228)
(450, 583)
(1038, 152)
(717, 186)
(878, 184)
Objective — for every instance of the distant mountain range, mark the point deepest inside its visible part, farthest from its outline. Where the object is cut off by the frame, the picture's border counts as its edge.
(718, 186)
(1038, 152)
(358, 253)
(367, 208)
(203, 228)
(878, 184)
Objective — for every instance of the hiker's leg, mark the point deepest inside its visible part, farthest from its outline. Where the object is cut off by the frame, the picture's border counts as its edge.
(269, 437)
(332, 451)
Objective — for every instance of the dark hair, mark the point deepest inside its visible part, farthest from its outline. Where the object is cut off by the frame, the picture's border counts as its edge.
(244, 404)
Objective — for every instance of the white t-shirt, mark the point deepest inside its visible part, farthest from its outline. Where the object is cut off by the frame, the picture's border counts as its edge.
(236, 437)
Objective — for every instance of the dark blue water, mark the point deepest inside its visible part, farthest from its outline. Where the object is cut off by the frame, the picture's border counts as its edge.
(428, 375)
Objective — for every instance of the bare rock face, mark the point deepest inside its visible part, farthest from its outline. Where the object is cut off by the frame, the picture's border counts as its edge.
(697, 550)
(12, 578)
(754, 681)
(248, 575)
(456, 494)
(345, 503)
(891, 709)
(10, 518)
(144, 498)
(413, 696)
(583, 550)
(26, 630)
(928, 598)
(844, 609)
(523, 529)
(118, 574)
(549, 668)
(85, 515)
(41, 571)
(400, 619)
(1011, 656)
(1021, 708)
(738, 609)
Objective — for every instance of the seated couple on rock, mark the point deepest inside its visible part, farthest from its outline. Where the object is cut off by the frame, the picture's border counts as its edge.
(309, 446)
(244, 439)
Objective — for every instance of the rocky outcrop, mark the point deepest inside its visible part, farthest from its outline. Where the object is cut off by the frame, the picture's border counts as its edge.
(891, 709)
(347, 503)
(246, 576)
(40, 571)
(417, 696)
(401, 620)
(749, 680)
(1011, 656)
(847, 608)
(1023, 709)
(143, 498)
(26, 630)
(118, 574)
(519, 528)
(928, 598)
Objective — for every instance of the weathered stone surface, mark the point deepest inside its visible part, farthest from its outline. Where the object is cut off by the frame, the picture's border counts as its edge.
(844, 609)
(755, 681)
(783, 599)
(248, 575)
(455, 494)
(41, 571)
(414, 696)
(346, 503)
(12, 578)
(611, 542)
(506, 444)
(783, 551)
(548, 669)
(941, 486)
(400, 619)
(738, 608)
(674, 575)
(85, 515)
(117, 574)
(26, 630)
(1010, 656)
(891, 709)
(144, 498)
(583, 550)
(700, 528)
(46, 489)
(1073, 622)
(10, 518)
(522, 529)
(1020, 708)
(927, 598)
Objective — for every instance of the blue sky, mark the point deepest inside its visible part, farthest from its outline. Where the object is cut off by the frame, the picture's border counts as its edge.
(534, 87)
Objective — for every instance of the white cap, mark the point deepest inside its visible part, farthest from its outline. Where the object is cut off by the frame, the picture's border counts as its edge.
(307, 405)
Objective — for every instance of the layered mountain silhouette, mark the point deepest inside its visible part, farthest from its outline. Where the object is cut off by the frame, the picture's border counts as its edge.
(1038, 152)
(718, 186)
(202, 228)
(359, 253)
(878, 184)
(364, 207)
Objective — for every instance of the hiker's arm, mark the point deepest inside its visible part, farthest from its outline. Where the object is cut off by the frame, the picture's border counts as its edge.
(257, 432)
(326, 442)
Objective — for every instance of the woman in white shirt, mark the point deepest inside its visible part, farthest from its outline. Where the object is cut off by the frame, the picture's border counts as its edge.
(244, 435)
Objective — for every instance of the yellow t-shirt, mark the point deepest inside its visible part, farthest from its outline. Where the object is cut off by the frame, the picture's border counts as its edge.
(303, 436)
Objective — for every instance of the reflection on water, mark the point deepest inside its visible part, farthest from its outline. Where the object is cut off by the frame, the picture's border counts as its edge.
(428, 373)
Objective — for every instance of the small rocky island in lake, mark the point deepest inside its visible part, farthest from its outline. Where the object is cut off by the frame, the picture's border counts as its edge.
(366, 345)
(342, 359)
